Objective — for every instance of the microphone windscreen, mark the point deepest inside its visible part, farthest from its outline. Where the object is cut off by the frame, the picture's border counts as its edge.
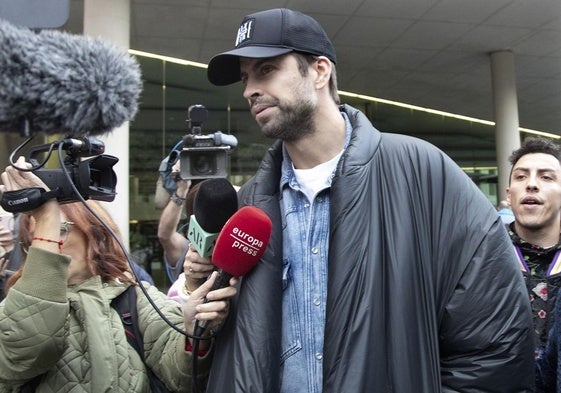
(242, 241)
(216, 201)
(64, 83)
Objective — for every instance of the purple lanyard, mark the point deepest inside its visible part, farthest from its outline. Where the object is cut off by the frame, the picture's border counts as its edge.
(552, 265)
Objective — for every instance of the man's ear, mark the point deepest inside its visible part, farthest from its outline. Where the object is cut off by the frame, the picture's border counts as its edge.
(323, 69)
(508, 195)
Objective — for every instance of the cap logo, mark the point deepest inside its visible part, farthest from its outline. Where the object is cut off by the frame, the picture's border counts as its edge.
(244, 32)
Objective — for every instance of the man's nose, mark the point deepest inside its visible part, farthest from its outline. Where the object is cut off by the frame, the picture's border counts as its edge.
(251, 90)
(532, 183)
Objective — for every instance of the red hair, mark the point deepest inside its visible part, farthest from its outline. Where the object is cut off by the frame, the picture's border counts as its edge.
(104, 256)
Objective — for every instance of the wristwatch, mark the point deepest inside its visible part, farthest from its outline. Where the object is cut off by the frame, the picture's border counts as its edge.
(177, 199)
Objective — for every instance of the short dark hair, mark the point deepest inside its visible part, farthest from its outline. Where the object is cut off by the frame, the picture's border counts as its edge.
(533, 145)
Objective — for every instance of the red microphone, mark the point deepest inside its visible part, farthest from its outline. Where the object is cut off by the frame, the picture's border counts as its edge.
(239, 246)
(242, 241)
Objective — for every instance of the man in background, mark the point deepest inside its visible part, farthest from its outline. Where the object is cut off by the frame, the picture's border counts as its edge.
(174, 243)
(534, 194)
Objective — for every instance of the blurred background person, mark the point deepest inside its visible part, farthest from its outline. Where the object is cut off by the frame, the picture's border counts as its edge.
(172, 236)
(505, 212)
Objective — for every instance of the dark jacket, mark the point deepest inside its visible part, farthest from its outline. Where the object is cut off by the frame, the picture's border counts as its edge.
(548, 369)
(424, 290)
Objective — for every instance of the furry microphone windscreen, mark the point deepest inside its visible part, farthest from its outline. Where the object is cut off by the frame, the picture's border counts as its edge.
(63, 83)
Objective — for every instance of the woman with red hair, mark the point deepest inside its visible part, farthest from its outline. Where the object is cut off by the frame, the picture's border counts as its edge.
(59, 331)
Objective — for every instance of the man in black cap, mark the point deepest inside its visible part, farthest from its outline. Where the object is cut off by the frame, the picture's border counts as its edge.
(371, 282)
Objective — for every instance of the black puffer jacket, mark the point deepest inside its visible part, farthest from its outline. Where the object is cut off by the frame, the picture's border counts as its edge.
(424, 292)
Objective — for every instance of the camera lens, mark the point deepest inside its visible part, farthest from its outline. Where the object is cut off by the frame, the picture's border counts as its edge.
(203, 164)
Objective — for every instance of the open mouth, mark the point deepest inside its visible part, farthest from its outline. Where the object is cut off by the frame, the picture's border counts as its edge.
(531, 201)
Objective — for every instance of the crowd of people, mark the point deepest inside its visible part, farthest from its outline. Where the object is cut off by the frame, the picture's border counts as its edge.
(371, 281)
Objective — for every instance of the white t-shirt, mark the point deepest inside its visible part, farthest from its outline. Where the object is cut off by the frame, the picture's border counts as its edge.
(318, 178)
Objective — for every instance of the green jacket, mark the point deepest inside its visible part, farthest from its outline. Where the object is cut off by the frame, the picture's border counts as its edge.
(73, 337)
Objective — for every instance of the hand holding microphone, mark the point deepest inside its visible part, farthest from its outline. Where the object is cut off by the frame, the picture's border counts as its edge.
(239, 246)
(210, 306)
(196, 269)
(214, 203)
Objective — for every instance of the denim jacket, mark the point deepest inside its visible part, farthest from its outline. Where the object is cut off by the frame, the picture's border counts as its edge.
(305, 251)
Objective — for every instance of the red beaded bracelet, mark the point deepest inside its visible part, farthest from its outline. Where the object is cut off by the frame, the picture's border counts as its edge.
(59, 242)
(189, 348)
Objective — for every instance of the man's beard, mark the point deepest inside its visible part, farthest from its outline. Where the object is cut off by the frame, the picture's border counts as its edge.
(294, 121)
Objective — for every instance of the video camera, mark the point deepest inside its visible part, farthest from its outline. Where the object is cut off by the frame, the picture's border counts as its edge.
(55, 83)
(91, 178)
(204, 156)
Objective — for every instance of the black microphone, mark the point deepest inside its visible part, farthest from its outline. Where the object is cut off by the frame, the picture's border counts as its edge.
(215, 202)
(64, 84)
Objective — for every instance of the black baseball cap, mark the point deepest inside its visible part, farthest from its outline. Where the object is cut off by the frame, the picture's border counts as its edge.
(268, 34)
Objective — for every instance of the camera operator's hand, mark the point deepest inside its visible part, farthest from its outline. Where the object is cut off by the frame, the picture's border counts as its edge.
(47, 215)
(13, 179)
(196, 269)
(183, 185)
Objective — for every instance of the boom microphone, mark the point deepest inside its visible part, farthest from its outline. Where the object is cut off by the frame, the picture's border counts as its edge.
(239, 246)
(64, 83)
(215, 202)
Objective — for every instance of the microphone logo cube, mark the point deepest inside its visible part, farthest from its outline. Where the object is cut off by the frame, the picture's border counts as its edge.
(201, 239)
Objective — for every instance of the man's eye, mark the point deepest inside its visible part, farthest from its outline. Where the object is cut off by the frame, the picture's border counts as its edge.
(266, 69)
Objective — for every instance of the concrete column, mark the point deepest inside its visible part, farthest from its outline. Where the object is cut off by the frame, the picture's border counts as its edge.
(505, 103)
(110, 20)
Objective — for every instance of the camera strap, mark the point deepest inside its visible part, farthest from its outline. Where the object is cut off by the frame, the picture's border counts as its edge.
(26, 199)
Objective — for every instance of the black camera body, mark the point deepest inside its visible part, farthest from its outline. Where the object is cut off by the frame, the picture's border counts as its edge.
(204, 156)
(77, 178)
(94, 178)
